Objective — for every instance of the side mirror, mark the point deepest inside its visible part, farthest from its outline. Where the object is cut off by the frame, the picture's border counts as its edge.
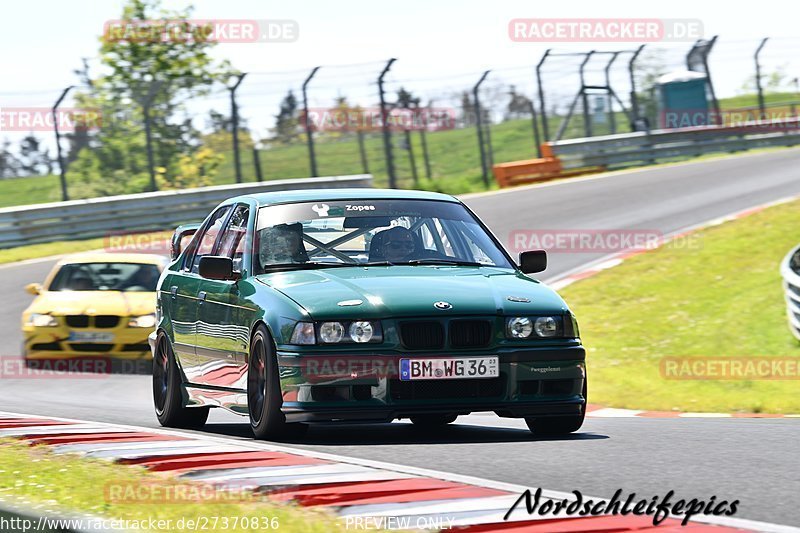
(33, 288)
(217, 267)
(180, 238)
(532, 261)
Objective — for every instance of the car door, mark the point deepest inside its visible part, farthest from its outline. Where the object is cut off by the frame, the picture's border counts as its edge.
(183, 288)
(223, 331)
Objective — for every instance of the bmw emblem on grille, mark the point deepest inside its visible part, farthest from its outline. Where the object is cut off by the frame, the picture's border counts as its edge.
(442, 305)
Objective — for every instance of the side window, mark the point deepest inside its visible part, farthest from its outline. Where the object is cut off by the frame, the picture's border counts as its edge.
(233, 238)
(205, 243)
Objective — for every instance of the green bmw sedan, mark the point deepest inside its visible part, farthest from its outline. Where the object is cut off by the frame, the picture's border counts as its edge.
(359, 305)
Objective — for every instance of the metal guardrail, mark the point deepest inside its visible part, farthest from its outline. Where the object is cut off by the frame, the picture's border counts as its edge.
(591, 154)
(153, 211)
(790, 271)
(614, 151)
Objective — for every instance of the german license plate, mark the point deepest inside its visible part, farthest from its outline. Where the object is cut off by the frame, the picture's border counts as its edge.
(449, 368)
(90, 336)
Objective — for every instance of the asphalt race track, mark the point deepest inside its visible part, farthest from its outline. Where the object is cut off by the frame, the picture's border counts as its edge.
(753, 460)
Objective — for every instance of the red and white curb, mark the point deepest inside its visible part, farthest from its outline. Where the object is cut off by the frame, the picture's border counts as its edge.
(353, 489)
(604, 263)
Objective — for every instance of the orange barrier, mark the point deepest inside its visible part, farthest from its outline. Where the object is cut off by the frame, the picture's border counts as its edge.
(544, 168)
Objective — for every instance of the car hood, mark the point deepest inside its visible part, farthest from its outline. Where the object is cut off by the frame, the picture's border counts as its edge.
(398, 291)
(94, 303)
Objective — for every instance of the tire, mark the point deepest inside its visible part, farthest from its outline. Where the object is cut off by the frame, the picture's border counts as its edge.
(554, 426)
(167, 394)
(264, 397)
(433, 421)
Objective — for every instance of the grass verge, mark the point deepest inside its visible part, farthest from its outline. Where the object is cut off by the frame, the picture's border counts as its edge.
(716, 294)
(39, 479)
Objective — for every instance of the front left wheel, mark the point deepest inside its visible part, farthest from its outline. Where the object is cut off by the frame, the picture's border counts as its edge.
(264, 398)
(167, 394)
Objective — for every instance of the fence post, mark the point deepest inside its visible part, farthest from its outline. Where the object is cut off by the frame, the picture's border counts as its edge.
(587, 124)
(536, 140)
(761, 107)
(61, 164)
(257, 164)
(312, 158)
(612, 121)
(542, 110)
(387, 136)
(411, 159)
(479, 123)
(151, 93)
(235, 127)
(634, 96)
(363, 151)
(424, 142)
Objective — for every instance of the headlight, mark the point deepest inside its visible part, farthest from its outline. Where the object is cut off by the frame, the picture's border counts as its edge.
(361, 331)
(543, 327)
(330, 332)
(41, 321)
(519, 327)
(144, 321)
(546, 326)
(303, 334)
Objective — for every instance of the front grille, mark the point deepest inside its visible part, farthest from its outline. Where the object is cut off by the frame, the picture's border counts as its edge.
(794, 289)
(422, 335)
(106, 321)
(46, 346)
(470, 333)
(447, 389)
(77, 321)
(90, 347)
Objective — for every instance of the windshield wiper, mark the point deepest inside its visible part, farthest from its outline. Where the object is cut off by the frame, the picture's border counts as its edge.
(377, 264)
(308, 265)
(433, 261)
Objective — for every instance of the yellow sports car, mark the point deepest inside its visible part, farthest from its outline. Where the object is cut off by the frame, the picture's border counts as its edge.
(93, 304)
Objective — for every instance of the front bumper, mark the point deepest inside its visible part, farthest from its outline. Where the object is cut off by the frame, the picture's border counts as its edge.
(532, 382)
(54, 343)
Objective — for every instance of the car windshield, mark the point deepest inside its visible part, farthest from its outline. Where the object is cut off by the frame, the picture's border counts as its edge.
(372, 232)
(106, 276)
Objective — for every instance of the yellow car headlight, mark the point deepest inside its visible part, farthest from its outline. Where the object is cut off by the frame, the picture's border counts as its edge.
(144, 321)
(40, 320)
